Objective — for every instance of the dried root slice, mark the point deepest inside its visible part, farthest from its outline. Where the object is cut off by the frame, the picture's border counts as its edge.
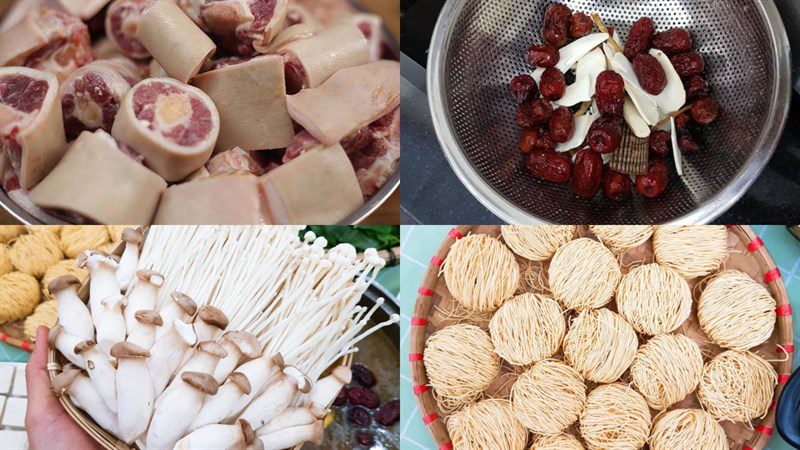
(615, 416)
(549, 397)
(487, 424)
(666, 369)
(687, 428)
(737, 386)
(692, 250)
(537, 243)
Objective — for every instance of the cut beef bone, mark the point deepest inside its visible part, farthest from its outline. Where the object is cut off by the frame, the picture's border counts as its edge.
(177, 43)
(237, 160)
(290, 34)
(122, 21)
(318, 187)
(174, 126)
(251, 99)
(97, 181)
(376, 162)
(217, 200)
(351, 99)
(32, 136)
(334, 48)
(371, 27)
(192, 9)
(47, 40)
(245, 26)
(91, 96)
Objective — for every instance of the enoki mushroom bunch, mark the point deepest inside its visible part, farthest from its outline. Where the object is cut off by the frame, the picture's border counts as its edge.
(194, 368)
(537, 243)
(687, 428)
(654, 299)
(735, 311)
(620, 238)
(615, 416)
(583, 274)
(486, 425)
(692, 250)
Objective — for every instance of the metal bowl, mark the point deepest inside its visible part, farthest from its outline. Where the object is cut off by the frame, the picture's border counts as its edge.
(479, 46)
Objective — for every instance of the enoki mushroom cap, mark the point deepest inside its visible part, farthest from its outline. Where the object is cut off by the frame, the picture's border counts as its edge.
(201, 381)
(212, 348)
(148, 317)
(241, 380)
(246, 342)
(213, 316)
(62, 381)
(63, 282)
(128, 350)
(150, 276)
(132, 236)
(186, 303)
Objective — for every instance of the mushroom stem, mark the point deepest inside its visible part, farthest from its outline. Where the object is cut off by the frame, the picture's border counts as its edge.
(180, 307)
(179, 408)
(277, 397)
(65, 343)
(289, 437)
(216, 408)
(143, 333)
(167, 354)
(260, 372)
(72, 312)
(217, 436)
(104, 283)
(209, 323)
(142, 295)
(325, 390)
(292, 417)
(111, 329)
(205, 359)
(83, 394)
(101, 373)
(135, 396)
(238, 344)
(130, 257)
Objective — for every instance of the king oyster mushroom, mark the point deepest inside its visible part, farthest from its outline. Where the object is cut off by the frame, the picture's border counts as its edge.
(81, 391)
(325, 390)
(72, 312)
(111, 329)
(180, 307)
(102, 270)
(277, 397)
(142, 295)
(238, 345)
(219, 436)
(135, 396)
(143, 333)
(289, 437)
(130, 257)
(205, 359)
(65, 343)
(293, 417)
(209, 323)
(101, 373)
(260, 372)
(179, 408)
(217, 407)
(167, 353)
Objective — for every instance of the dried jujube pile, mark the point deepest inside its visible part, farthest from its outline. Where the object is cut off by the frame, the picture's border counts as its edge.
(628, 107)
(624, 374)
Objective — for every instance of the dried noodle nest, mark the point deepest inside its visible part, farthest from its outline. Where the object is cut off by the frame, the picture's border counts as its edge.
(601, 345)
(9, 232)
(692, 250)
(620, 238)
(557, 442)
(666, 369)
(689, 429)
(487, 425)
(63, 267)
(737, 386)
(481, 272)
(735, 311)
(461, 363)
(6, 265)
(46, 314)
(77, 238)
(615, 417)
(537, 243)
(549, 397)
(34, 253)
(654, 299)
(583, 274)
(528, 328)
(19, 295)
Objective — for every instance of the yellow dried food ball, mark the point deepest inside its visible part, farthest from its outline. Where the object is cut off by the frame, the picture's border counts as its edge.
(63, 267)
(19, 295)
(6, 265)
(46, 314)
(34, 253)
(78, 238)
(9, 232)
(34, 229)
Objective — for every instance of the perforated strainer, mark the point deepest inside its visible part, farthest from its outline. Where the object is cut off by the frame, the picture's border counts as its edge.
(479, 46)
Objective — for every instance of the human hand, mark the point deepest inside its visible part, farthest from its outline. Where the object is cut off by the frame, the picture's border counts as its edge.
(48, 424)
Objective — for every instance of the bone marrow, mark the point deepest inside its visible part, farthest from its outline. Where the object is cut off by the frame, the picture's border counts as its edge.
(122, 22)
(172, 125)
(245, 26)
(32, 136)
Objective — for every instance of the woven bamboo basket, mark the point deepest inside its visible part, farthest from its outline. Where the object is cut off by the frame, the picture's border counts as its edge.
(746, 252)
(55, 362)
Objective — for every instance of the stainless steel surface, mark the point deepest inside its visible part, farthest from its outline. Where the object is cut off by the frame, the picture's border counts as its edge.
(478, 46)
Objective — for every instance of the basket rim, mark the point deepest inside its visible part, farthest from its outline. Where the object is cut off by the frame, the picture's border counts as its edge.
(427, 297)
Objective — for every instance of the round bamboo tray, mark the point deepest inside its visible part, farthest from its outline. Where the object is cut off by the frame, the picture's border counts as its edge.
(434, 309)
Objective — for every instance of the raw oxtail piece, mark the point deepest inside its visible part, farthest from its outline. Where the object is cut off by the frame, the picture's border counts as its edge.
(173, 126)
(47, 40)
(32, 138)
(91, 97)
(122, 23)
(245, 26)
(97, 182)
(229, 199)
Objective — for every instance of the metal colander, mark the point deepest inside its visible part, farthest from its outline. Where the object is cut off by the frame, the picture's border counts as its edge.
(479, 46)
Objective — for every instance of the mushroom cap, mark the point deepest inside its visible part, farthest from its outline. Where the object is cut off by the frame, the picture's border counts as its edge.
(62, 381)
(213, 316)
(148, 317)
(132, 236)
(246, 342)
(53, 334)
(63, 282)
(112, 300)
(303, 382)
(128, 350)
(343, 374)
(212, 348)
(104, 257)
(201, 381)
(242, 381)
(186, 303)
(247, 431)
(277, 359)
(82, 346)
(147, 275)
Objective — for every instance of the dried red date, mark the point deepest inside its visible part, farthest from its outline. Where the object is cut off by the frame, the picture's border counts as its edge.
(696, 87)
(359, 417)
(543, 56)
(673, 42)
(545, 142)
(549, 166)
(552, 84)
(659, 143)
(363, 376)
(605, 135)
(531, 114)
(341, 397)
(616, 186)
(610, 93)
(581, 25)
(649, 73)
(683, 120)
(639, 37)
(557, 20)
(687, 142)
(389, 413)
(705, 110)
(561, 125)
(527, 140)
(365, 438)
(523, 88)
(654, 182)
(587, 173)
(362, 396)
(688, 64)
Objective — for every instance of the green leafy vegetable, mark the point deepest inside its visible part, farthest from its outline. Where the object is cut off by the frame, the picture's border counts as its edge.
(361, 237)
